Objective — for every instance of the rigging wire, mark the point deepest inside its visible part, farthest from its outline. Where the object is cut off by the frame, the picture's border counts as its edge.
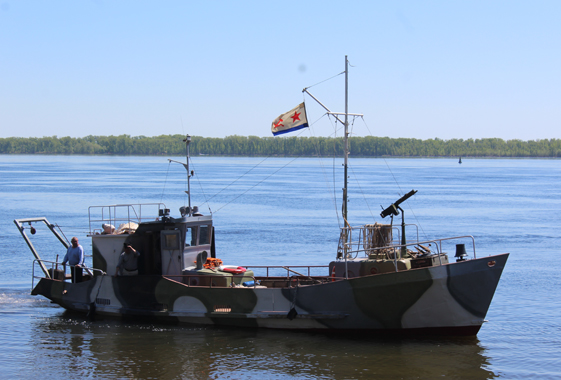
(397, 183)
(243, 175)
(165, 182)
(201, 186)
(257, 184)
(234, 181)
(260, 182)
(362, 192)
(334, 196)
(355, 175)
(318, 152)
(334, 124)
(325, 80)
(334, 135)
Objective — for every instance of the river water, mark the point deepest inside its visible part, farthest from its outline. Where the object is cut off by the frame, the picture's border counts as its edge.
(286, 211)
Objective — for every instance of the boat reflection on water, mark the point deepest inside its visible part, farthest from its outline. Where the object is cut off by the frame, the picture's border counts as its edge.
(72, 346)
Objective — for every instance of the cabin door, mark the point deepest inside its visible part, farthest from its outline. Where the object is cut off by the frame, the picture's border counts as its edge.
(171, 252)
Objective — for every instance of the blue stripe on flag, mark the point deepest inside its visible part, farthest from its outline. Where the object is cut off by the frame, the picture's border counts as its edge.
(305, 125)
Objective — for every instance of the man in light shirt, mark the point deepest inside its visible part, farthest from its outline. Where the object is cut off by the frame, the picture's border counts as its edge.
(75, 257)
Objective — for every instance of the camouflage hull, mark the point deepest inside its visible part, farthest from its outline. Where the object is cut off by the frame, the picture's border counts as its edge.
(450, 299)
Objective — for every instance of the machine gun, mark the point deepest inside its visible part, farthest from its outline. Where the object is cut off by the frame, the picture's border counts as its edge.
(392, 210)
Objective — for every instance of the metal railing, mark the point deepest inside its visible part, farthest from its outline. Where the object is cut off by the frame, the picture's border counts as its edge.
(282, 268)
(122, 213)
(360, 230)
(396, 255)
(212, 281)
(54, 265)
(436, 242)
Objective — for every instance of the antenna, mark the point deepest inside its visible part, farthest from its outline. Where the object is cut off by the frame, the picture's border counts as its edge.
(187, 141)
(189, 210)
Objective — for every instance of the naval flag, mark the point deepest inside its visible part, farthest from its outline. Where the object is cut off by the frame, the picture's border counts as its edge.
(293, 120)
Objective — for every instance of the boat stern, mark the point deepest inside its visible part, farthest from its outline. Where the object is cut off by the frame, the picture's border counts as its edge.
(70, 296)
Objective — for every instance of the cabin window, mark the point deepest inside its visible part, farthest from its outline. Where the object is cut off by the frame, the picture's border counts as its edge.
(171, 241)
(202, 232)
(191, 236)
(204, 236)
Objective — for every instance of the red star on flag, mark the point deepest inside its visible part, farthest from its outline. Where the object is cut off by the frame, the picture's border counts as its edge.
(290, 121)
(295, 117)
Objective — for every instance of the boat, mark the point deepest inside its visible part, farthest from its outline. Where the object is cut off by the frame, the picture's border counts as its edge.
(377, 282)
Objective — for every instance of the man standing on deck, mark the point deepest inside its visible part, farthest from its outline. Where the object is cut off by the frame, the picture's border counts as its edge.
(75, 257)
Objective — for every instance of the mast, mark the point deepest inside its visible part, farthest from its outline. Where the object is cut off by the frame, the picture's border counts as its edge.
(186, 210)
(346, 154)
(345, 122)
(187, 142)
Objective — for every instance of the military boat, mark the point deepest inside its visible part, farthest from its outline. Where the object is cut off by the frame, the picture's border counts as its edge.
(378, 282)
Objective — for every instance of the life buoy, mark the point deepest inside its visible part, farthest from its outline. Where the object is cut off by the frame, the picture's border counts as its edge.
(238, 270)
(333, 274)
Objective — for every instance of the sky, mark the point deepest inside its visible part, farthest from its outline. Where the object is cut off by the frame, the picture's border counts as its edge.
(418, 69)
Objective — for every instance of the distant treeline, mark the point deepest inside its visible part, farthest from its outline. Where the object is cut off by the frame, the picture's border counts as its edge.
(287, 146)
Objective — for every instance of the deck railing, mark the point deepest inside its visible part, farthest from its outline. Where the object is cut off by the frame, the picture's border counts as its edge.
(394, 251)
(53, 266)
(218, 281)
(288, 269)
(384, 241)
(382, 233)
(115, 215)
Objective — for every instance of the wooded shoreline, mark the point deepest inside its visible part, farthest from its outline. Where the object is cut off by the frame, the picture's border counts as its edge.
(283, 146)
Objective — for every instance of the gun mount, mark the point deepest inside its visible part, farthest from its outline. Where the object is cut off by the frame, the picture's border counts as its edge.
(392, 210)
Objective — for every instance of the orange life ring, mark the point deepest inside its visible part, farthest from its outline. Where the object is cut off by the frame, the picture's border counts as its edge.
(333, 274)
(238, 270)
